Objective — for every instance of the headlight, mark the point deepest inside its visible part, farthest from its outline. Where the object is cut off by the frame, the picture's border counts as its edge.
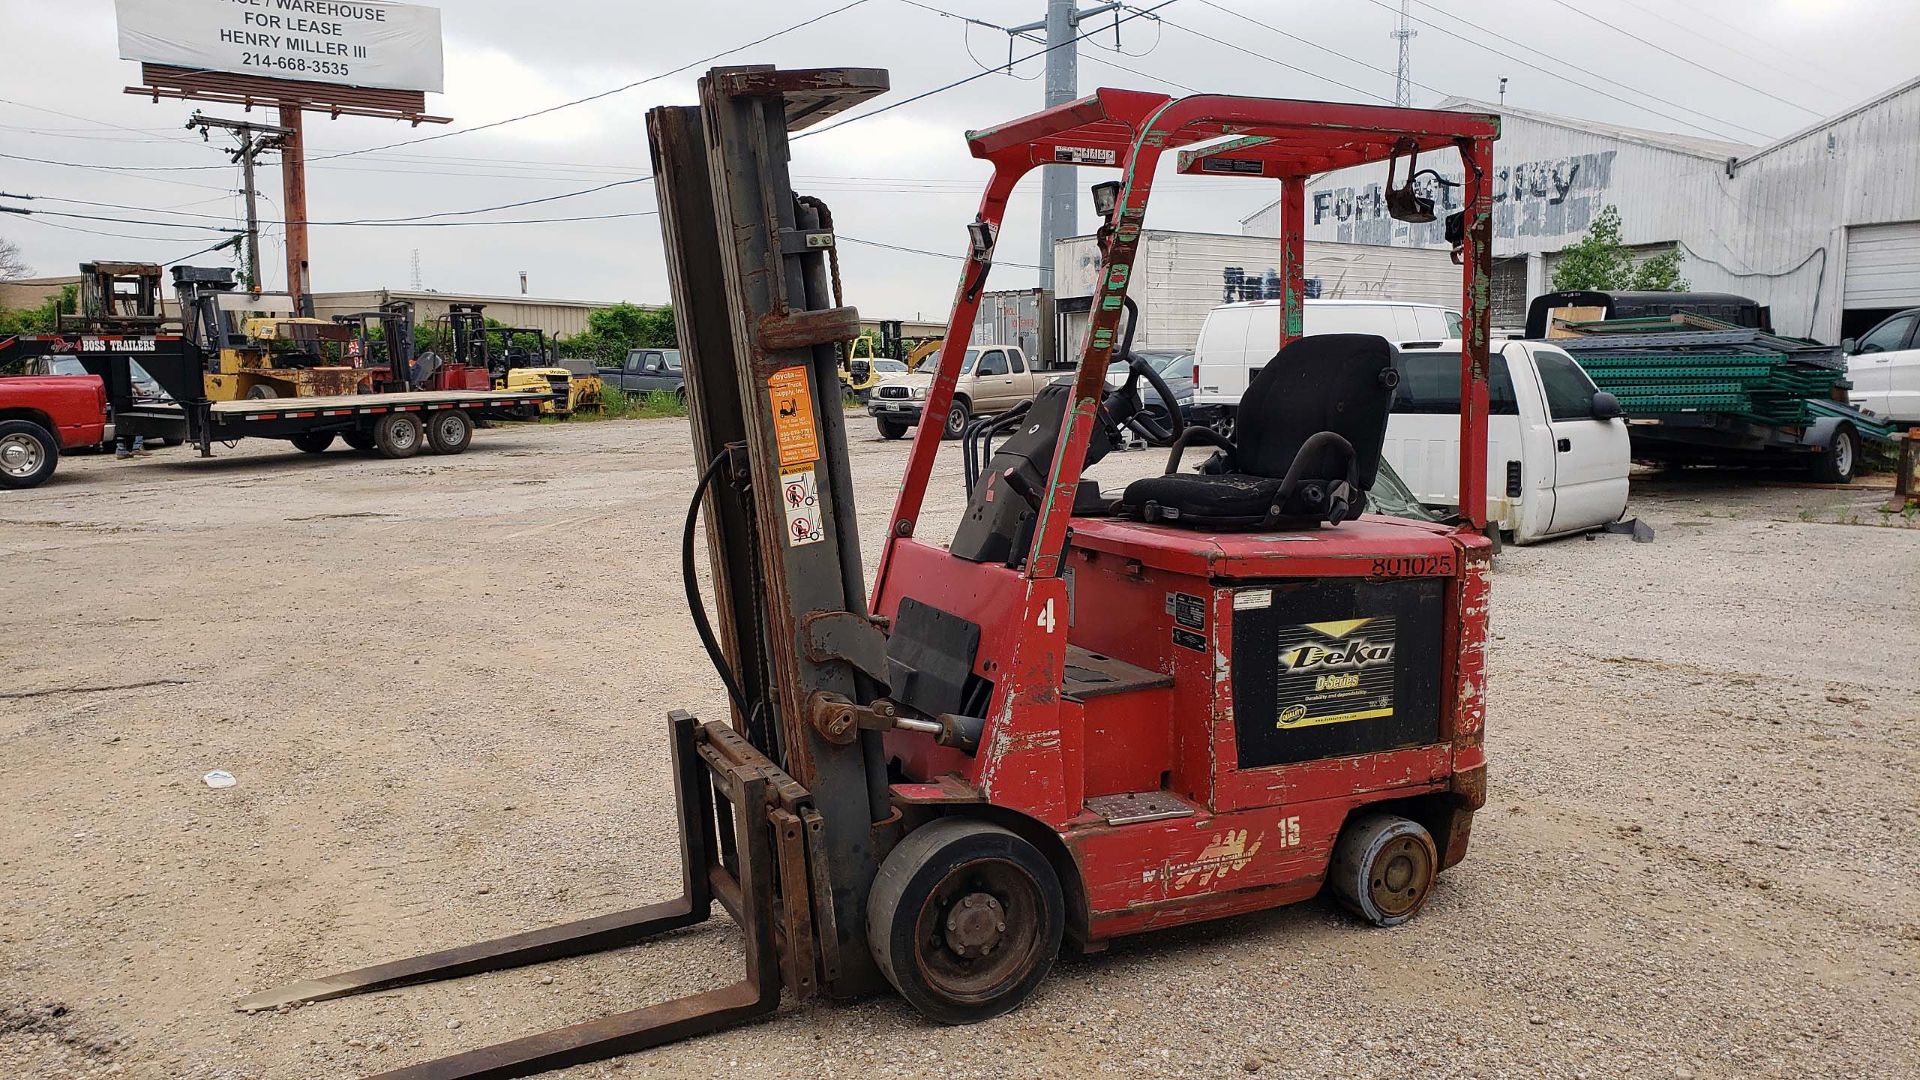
(919, 392)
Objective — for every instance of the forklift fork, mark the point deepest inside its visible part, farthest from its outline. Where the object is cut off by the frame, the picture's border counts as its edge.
(766, 849)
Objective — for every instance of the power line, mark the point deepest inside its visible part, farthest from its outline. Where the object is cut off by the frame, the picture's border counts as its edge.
(24, 212)
(923, 95)
(801, 25)
(1716, 37)
(1316, 45)
(923, 251)
(1278, 63)
(102, 232)
(1575, 67)
(944, 13)
(1688, 60)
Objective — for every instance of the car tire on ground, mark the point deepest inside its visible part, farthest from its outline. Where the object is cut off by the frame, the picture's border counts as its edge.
(965, 919)
(28, 453)
(449, 432)
(959, 415)
(398, 435)
(1383, 867)
(1839, 460)
(891, 429)
(313, 442)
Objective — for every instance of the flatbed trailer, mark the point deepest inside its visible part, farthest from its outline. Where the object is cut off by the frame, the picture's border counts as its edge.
(396, 425)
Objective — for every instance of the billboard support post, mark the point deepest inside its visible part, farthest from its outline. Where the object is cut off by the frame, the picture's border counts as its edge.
(293, 200)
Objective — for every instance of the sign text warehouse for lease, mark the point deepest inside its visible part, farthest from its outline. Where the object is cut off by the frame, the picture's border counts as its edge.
(343, 42)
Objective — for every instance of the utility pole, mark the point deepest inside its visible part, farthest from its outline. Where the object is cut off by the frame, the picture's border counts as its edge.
(1503, 91)
(1403, 78)
(1059, 190)
(254, 140)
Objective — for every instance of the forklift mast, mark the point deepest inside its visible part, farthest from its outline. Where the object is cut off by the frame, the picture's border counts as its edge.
(1075, 721)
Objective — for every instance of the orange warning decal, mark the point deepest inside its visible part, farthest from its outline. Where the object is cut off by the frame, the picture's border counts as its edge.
(793, 428)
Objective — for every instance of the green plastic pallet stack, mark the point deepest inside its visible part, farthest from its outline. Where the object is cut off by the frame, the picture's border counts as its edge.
(1722, 369)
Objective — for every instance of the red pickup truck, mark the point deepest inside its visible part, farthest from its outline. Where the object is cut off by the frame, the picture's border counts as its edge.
(41, 415)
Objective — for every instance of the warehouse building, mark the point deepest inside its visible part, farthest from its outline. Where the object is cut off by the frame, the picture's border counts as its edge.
(1179, 276)
(1823, 226)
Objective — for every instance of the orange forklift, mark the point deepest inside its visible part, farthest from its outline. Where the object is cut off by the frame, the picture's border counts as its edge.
(1086, 714)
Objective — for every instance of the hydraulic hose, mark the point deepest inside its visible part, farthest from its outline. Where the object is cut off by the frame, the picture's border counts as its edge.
(696, 606)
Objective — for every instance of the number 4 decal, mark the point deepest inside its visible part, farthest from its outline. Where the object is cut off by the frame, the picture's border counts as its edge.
(1045, 621)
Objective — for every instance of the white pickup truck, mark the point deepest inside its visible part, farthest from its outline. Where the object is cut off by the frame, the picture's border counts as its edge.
(993, 379)
(1557, 448)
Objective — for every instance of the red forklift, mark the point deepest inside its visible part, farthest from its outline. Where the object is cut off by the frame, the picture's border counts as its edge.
(1087, 714)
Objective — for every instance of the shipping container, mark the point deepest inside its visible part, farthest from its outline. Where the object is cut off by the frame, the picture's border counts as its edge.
(1023, 317)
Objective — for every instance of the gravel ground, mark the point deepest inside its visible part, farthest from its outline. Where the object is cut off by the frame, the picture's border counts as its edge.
(440, 686)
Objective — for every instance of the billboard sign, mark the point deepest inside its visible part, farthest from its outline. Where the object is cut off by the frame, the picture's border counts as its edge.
(340, 42)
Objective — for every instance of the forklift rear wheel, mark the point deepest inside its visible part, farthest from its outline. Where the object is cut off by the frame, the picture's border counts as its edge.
(398, 435)
(1383, 868)
(891, 429)
(450, 432)
(313, 442)
(965, 920)
(261, 391)
(359, 440)
(958, 416)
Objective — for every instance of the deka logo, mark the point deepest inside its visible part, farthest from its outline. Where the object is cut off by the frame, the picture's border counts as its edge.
(1342, 651)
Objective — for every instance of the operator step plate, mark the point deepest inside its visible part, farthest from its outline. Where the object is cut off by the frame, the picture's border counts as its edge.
(1137, 806)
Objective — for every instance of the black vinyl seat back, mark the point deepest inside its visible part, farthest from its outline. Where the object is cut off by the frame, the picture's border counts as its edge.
(1306, 445)
(1329, 382)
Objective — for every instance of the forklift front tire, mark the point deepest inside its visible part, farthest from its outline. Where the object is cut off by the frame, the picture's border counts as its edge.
(1383, 868)
(398, 435)
(965, 919)
(449, 432)
(891, 429)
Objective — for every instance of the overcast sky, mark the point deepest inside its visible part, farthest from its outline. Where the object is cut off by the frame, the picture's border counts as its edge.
(903, 177)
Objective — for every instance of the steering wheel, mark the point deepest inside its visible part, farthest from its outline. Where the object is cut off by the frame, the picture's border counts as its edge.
(1133, 409)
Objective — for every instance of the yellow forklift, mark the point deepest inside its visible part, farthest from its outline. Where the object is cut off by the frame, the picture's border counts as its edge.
(516, 358)
(256, 345)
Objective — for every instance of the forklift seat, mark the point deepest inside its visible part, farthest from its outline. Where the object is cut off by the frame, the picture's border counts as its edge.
(1306, 444)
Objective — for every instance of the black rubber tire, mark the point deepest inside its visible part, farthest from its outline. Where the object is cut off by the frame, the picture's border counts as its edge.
(1383, 867)
(906, 905)
(36, 453)
(959, 415)
(891, 429)
(261, 392)
(359, 440)
(313, 442)
(1833, 465)
(398, 435)
(449, 432)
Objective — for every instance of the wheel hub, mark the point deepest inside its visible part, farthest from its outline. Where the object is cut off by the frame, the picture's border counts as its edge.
(1399, 877)
(18, 455)
(975, 925)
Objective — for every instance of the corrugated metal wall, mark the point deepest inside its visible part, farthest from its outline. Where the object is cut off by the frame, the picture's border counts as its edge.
(557, 318)
(1179, 278)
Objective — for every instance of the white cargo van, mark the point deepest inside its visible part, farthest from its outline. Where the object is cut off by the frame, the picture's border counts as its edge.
(1557, 448)
(1238, 339)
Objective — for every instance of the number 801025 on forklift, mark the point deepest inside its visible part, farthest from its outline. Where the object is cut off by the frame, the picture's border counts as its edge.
(1089, 714)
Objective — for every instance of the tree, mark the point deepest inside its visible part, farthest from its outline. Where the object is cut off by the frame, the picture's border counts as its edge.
(612, 331)
(1601, 262)
(12, 263)
(42, 319)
